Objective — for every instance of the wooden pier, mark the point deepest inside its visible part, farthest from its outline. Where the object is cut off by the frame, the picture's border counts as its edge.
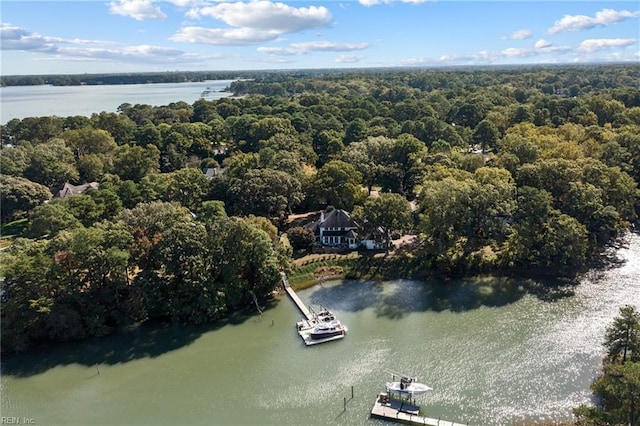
(403, 412)
(292, 294)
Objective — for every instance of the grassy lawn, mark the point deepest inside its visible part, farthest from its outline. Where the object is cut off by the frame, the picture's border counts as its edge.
(314, 268)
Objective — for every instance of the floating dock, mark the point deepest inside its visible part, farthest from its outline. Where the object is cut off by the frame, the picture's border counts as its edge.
(306, 326)
(404, 412)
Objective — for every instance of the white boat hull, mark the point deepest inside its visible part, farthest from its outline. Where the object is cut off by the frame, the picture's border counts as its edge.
(408, 388)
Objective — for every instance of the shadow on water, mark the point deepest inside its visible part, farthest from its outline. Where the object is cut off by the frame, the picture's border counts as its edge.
(148, 340)
(395, 299)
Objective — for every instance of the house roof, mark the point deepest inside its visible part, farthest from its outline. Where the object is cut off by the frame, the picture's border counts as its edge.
(67, 189)
(338, 219)
(334, 219)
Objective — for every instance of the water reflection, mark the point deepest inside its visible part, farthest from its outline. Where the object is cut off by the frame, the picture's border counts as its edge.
(396, 299)
(496, 351)
(148, 340)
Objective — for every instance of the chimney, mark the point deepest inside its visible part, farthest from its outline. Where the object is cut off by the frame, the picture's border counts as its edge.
(322, 216)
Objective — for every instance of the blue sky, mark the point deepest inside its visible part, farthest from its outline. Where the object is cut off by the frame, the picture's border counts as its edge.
(96, 36)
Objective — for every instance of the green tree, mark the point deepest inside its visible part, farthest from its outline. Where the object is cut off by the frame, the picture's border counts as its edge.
(617, 389)
(338, 184)
(403, 168)
(355, 131)
(129, 194)
(267, 127)
(107, 201)
(147, 222)
(300, 237)
(135, 162)
(89, 141)
(246, 260)
(13, 160)
(264, 192)
(119, 126)
(27, 293)
(51, 218)
(84, 208)
(486, 134)
(622, 339)
(20, 195)
(328, 145)
(367, 157)
(51, 164)
(187, 186)
(90, 168)
(388, 212)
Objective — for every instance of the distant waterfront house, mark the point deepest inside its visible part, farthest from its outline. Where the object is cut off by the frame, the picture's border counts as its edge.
(337, 229)
(212, 172)
(67, 190)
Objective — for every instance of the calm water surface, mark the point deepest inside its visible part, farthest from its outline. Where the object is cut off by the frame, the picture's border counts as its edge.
(64, 101)
(493, 356)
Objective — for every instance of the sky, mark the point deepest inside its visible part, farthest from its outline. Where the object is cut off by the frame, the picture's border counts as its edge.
(102, 36)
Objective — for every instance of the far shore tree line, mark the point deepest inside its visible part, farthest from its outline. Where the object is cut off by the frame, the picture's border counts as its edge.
(517, 170)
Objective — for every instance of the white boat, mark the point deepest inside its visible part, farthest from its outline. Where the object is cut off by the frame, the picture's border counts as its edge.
(407, 386)
(322, 326)
(328, 328)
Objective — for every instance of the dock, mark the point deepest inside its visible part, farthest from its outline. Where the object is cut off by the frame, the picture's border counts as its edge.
(292, 294)
(403, 412)
(306, 326)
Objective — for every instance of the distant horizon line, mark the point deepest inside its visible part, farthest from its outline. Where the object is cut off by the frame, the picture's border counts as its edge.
(364, 68)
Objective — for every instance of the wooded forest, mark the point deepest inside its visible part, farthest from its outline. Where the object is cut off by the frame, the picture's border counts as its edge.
(515, 170)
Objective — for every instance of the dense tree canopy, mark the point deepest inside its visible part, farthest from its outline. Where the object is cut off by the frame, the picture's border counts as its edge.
(532, 169)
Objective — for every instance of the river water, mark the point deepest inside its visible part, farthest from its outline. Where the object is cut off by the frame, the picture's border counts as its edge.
(64, 101)
(494, 354)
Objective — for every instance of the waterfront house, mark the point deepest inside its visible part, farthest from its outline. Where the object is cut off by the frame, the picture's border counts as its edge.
(67, 190)
(336, 229)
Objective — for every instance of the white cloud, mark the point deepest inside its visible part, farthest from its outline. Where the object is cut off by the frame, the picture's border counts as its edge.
(329, 46)
(415, 61)
(223, 37)
(136, 9)
(519, 35)
(541, 47)
(252, 22)
(267, 16)
(517, 52)
(541, 44)
(142, 54)
(183, 3)
(56, 48)
(303, 48)
(280, 51)
(593, 45)
(481, 57)
(603, 17)
(16, 38)
(369, 3)
(349, 59)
